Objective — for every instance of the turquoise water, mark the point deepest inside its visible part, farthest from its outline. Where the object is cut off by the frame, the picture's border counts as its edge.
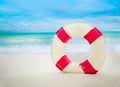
(35, 43)
(25, 39)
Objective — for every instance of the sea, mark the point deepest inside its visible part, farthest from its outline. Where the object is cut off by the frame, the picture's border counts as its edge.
(40, 43)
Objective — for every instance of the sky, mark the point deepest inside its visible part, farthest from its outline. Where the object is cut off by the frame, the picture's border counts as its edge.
(50, 15)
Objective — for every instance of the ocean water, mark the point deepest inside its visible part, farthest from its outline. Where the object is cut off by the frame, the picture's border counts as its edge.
(40, 43)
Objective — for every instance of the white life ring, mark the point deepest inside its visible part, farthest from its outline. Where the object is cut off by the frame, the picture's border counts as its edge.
(97, 48)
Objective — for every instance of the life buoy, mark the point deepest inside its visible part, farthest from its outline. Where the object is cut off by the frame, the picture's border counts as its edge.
(97, 48)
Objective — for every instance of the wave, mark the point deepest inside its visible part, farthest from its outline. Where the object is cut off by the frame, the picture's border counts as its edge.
(41, 43)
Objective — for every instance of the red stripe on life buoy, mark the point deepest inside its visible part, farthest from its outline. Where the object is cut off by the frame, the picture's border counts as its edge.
(63, 62)
(62, 35)
(92, 35)
(87, 67)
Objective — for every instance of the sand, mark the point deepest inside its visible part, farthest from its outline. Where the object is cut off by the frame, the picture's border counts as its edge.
(40, 71)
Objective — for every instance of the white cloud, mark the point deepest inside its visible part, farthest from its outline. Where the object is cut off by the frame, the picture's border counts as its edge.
(93, 6)
(62, 5)
(52, 24)
(77, 6)
(9, 10)
(48, 24)
(38, 15)
(106, 22)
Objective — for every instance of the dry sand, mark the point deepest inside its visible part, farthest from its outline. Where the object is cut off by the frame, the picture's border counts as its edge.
(39, 71)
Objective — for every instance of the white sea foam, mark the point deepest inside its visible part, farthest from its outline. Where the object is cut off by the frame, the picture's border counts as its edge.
(27, 50)
(39, 44)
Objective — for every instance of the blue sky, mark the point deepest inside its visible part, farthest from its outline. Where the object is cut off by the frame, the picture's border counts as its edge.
(49, 15)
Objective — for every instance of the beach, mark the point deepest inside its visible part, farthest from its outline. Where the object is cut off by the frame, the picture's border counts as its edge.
(40, 71)
(25, 61)
(41, 38)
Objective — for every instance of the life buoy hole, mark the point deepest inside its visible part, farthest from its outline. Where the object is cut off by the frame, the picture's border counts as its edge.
(77, 49)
